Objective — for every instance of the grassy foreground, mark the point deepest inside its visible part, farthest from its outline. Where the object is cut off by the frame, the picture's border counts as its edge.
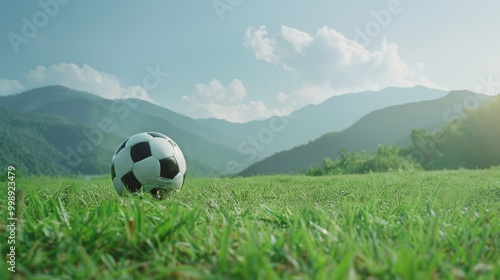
(426, 225)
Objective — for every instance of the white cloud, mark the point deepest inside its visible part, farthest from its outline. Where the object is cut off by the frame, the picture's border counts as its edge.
(343, 63)
(84, 78)
(297, 38)
(214, 100)
(322, 64)
(215, 90)
(263, 47)
(282, 97)
(237, 91)
(327, 63)
(8, 87)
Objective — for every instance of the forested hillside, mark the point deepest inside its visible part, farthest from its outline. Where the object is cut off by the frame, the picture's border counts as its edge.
(39, 144)
(472, 142)
(51, 145)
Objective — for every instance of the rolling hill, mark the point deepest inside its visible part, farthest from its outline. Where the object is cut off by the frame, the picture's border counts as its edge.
(113, 121)
(389, 126)
(49, 145)
(54, 145)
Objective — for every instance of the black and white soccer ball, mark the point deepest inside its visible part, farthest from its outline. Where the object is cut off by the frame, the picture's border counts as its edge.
(148, 162)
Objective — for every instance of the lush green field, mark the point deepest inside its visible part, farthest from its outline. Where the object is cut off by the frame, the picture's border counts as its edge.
(428, 225)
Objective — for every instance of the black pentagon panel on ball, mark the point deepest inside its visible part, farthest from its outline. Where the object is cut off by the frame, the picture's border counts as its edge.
(140, 151)
(113, 172)
(131, 182)
(168, 168)
(156, 134)
(122, 145)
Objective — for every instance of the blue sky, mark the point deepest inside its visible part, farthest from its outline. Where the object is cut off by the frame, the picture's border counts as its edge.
(242, 60)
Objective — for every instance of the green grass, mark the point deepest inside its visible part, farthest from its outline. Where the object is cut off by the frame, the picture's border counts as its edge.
(421, 225)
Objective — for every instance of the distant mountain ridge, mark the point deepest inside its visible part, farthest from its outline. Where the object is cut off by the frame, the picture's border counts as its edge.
(388, 126)
(214, 147)
(334, 114)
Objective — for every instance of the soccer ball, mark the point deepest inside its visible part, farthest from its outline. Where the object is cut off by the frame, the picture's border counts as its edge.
(148, 162)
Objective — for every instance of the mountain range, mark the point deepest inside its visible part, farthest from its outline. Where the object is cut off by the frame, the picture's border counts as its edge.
(389, 126)
(312, 121)
(53, 129)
